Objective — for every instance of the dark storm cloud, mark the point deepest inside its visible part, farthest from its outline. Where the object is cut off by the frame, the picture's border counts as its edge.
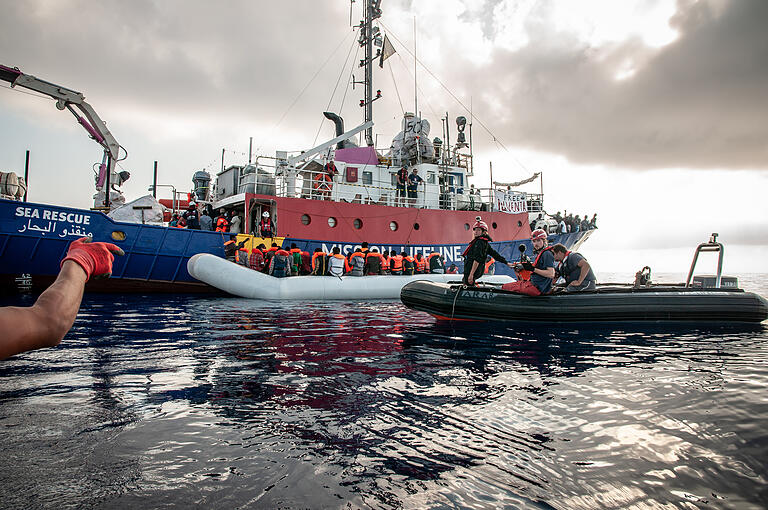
(700, 102)
(234, 59)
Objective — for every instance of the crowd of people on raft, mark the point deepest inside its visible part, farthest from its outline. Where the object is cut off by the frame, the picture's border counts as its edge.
(551, 263)
(280, 262)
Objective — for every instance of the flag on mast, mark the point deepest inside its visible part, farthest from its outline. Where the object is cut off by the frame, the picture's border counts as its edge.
(387, 51)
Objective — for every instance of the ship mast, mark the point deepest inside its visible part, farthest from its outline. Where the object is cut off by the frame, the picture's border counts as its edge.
(367, 37)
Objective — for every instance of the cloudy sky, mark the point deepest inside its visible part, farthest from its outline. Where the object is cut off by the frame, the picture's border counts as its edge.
(652, 113)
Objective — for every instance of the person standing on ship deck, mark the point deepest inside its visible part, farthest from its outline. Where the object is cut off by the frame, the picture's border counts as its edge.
(477, 252)
(413, 187)
(402, 182)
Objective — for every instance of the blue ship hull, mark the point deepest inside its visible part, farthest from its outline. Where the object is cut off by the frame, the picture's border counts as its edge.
(35, 237)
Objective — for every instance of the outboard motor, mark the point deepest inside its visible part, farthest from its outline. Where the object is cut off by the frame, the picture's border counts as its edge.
(201, 181)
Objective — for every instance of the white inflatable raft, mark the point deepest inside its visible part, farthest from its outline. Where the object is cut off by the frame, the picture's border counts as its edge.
(244, 282)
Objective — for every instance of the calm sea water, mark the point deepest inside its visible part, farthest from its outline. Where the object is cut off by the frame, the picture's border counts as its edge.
(167, 401)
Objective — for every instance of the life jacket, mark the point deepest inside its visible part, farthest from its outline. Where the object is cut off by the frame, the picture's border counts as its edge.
(421, 265)
(230, 249)
(242, 257)
(222, 224)
(265, 227)
(435, 262)
(295, 260)
(526, 275)
(306, 263)
(256, 260)
(319, 263)
(473, 241)
(337, 264)
(409, 265)
(489, 266)
(374, 263)
(396, 264)
(357, 263)
(455, 270)
(384, 264)
(280, 265)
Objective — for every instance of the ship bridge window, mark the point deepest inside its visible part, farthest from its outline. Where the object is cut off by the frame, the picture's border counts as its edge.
(368, 178)
(430, 177)
(393, 179)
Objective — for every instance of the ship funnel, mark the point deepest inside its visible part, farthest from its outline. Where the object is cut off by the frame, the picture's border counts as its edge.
(339, 122)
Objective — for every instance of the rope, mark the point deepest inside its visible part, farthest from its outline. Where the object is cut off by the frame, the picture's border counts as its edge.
(474, 116)
(285, 114)
(33, 94)
(338, 80)
(453, 308)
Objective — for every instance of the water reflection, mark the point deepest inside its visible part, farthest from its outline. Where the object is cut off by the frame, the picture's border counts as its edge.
(234, 402)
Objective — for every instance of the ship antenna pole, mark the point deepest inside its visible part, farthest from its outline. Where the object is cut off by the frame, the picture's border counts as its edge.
(367, 38)
(415, 83)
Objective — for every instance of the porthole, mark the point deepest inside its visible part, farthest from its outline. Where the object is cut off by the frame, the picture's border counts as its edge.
(493, 225)
(118, 235)
(357, 223)
(415, 226)
(392, 226)
(466, 226)
(519, 223)
(305, 219)
(331, 222)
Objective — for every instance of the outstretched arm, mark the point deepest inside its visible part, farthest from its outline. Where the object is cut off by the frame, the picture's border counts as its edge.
(46, 322)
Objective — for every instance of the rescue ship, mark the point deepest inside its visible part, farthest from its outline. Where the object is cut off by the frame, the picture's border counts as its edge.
(337, 194)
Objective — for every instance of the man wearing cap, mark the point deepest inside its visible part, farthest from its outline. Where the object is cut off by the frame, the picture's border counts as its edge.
(535, 279)
(477, 252)
(413, 186)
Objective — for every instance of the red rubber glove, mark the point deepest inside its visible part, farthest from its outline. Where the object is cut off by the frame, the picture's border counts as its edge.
(95, 258)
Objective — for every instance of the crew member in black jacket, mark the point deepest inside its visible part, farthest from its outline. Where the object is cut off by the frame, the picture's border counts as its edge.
(477, 252)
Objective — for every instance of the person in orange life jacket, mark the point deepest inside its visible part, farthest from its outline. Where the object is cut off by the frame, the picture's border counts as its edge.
(374, 263)
(357, 263)
(385, 262)
(256, 259)
(337, 263)
(231, 247)
(421, 264)
(182, 223)
(477, 252)
(575, 269)
(435, 263)
(242, 256)
(306, 263)
(409, 265)
(266, 227)
(454, 269)
(319, 262)
(542, 271)
(295, 259)
(45, 323)
(280, 264)
(268, 256)
(490, 265)
(395, 263)
(222, 223)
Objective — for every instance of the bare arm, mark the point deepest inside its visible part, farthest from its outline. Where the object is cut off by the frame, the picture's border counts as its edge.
(584, 270)
(471, 277)
(46, 322)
